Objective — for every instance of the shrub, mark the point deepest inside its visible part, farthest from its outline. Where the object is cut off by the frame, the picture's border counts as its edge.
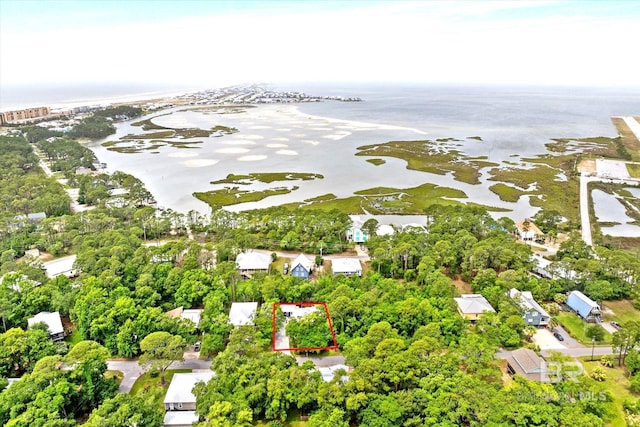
(607, 361)
(598, 374)
(635, 383)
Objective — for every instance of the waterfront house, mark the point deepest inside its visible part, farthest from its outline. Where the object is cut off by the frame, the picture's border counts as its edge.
(528, 231)
(53, 322)
(355, 233)
(301, 267)
(473, 306)
(584, 306)
(532, 313)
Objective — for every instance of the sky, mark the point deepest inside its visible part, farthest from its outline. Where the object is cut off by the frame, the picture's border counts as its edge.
(217, 43)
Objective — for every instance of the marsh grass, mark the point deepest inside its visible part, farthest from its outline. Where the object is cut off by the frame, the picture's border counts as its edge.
(233, 195)
(267, 177)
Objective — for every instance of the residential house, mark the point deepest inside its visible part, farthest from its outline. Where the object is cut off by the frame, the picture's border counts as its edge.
(61, 266)
(346, 266)
(292, 311)
(251, 262)
(527, 364)
(473, 306)
(528, 231)
(586, 308)
(532, 312)
(329, 372)
(191, 314)
(355, 233)
(53, 322)
(82, 170)
(180, 395)
(243, 313)
(301, 267)
(180, 418)
(35, 218)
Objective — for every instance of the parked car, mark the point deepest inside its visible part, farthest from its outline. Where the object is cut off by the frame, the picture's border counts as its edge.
(286, 268)
(558, 336)
(196, 346)
(616, 325)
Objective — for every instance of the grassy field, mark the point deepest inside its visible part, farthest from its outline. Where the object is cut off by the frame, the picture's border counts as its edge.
(267, 177)
(550, 192)
(293, 420)
(114, 374)
(73, 338)
(233, 196)
(629, 140)
(386, 200)
(616, 384)
(146, 381)
(633, 169)
(577, 328)
(623, 311)
(507, 192)
(430, 156)
(377, 162)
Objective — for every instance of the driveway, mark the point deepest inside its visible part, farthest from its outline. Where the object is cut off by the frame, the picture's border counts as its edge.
(546, 341)
(131, 370)
(321, 361)
(282, 341)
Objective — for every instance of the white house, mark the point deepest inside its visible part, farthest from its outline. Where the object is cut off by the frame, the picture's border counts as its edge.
(243, 313)
(53, 322)
(180, 395)
(528, 231)
(192, 314)
(180, 418)
(251, 262)
(328, 372)
(346, 266)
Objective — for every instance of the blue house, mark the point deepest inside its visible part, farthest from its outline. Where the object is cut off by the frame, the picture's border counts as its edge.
(586, 308)
(301, 267)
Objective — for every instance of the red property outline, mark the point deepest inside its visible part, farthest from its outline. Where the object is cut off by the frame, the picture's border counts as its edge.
(302, 304)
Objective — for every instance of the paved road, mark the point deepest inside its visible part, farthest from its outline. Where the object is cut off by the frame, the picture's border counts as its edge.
(130, 369)
(633, 125)
(362, 256)
(321, 361)
(584, 209)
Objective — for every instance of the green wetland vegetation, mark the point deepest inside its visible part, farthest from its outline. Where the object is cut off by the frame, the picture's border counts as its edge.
(430, 156)
(267, 177)
(233, 195)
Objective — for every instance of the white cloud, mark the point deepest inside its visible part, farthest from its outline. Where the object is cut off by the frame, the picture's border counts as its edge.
(416, 41)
